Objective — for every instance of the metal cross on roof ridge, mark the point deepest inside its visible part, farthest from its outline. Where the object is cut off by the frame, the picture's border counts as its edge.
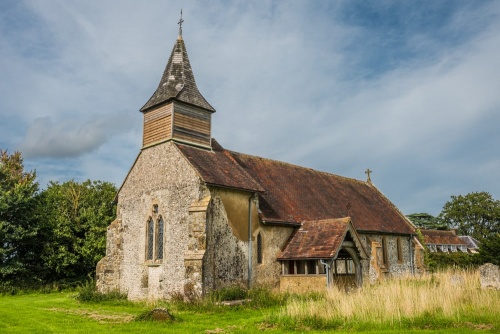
(180, 24)
(368, 172)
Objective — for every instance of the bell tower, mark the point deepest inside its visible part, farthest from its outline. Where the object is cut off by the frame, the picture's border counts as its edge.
(177, 110)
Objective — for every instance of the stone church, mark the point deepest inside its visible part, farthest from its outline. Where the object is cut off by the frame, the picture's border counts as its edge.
(193, 216)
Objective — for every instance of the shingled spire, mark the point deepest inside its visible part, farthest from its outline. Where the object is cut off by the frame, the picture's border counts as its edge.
(178, 81)
(177, 110)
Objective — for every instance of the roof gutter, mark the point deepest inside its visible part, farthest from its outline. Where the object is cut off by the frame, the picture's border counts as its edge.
(281, 223)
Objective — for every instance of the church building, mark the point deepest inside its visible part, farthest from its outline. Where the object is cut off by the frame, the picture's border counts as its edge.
(193, 216)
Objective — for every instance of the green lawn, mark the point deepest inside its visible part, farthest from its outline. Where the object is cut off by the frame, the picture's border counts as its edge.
(61, 313)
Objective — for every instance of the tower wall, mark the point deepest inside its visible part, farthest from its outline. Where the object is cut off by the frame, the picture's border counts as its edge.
(192, 124)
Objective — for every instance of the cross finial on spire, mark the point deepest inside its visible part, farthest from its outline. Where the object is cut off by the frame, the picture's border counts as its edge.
(367, 172)
(180, 25)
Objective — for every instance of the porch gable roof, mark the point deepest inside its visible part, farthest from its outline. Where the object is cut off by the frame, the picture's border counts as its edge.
(320, 239)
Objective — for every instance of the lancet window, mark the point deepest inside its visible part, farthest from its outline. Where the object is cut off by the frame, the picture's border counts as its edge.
(155, 236)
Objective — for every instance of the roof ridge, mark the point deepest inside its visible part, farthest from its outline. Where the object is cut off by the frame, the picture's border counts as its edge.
(301, 167)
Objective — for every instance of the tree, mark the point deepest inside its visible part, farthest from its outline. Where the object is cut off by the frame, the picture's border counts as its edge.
(489, 249)
(77, 215)
(19, 251)
(427, 221)
(476, 214)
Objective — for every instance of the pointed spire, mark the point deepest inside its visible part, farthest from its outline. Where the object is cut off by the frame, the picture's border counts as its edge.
(178, 81)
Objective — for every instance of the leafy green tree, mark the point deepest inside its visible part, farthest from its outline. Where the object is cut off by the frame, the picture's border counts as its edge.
(427, 221)
(476, 214)
(19, 246)
(78, 215)
(489, 249)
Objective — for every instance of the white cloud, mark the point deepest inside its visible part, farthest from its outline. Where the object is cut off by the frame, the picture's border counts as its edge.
(321, 84)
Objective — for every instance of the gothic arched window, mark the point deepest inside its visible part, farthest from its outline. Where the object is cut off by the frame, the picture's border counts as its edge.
(150, 233)
(159, 240)
(259, 248)
(155, 235)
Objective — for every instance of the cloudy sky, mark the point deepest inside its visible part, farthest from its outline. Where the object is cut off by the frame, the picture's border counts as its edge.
(409, 89)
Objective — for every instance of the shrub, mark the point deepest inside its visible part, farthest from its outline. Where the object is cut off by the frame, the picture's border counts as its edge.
(88, 293)
(234, 292)
(442, 261)
(263, 297)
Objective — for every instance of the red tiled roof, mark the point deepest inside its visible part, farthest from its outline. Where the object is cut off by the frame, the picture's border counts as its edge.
(440, 237)
(316, 240)
(296, 194)
(218, 167)
(293, 194)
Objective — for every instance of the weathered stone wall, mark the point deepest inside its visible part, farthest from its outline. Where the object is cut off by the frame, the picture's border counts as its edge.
(160, 175)
(273, 240)
(489, 275)
(226, 260)
(108, 268)
(374, 269)
(193, 257)
(226, 257)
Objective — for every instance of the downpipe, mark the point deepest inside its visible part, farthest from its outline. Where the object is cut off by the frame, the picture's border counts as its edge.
(250, 240)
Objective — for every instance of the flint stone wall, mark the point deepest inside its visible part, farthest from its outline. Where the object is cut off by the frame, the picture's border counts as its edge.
(161, 175)
(108, 268)
(226, 257)
(374, 269)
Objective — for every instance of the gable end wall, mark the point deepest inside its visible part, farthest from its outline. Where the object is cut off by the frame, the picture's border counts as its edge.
(162, 176)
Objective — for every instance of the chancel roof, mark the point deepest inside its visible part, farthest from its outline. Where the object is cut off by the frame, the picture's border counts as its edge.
(440, 237)
(290, 194)
(178, 81)
(320, 239)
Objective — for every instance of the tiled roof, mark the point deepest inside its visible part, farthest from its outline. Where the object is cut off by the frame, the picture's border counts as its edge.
(217, 167)
(178, 81)
(296, 194)
(321, 239)
(440, 237)
(290, 194)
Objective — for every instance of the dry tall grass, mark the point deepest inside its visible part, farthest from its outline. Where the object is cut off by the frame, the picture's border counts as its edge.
(448, 295)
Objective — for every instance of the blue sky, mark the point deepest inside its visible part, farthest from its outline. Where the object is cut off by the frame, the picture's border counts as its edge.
(409, 89)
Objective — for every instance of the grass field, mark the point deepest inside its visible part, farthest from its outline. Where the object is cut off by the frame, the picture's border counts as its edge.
(443, 303)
